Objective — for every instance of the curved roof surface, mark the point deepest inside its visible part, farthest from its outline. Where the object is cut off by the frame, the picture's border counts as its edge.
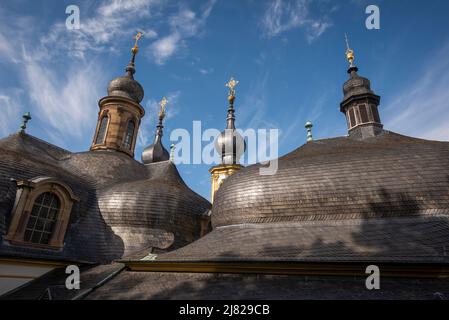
(124, 205)
(341, 179)
(382, 199)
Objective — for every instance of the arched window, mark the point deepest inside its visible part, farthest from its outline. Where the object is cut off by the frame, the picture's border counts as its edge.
(127, 143)
(102, 130)
(41, 213)
(42, 218)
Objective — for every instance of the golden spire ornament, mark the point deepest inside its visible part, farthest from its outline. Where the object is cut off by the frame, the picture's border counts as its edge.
(349, 53)
(137, 37)
(231, 84)
(163, 104)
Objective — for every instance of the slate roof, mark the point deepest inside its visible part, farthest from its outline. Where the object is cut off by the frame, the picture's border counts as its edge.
(124, 206)
(393, 240)
(389, 175)
(212, 286)
(383, 199)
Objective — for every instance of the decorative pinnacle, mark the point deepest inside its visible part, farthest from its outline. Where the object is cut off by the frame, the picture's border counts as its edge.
(309, 127)
(137, 37)
(349, 53)
(26, 117)
(172, 152)
(163, 104)
(231, 84)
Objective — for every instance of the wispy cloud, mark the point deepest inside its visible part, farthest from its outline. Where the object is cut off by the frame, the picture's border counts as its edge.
(64, 98)
(183, 25)
(206, 71)
(65, 103)
(11, 109)
(112, 20)
(284, 15)
(422, 108)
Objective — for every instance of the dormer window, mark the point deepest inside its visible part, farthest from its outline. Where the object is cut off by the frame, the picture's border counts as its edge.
(43, 217)
(41, 213)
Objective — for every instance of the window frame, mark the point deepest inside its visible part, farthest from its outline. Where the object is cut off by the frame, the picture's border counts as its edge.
(104, 115)
(26, 195)
(130, 146)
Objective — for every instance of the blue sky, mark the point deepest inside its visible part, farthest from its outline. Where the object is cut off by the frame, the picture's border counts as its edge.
(288, 56)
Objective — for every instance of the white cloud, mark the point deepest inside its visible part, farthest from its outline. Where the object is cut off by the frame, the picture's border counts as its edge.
(164, 48)
(112, 20)
(284, 15)
(185, 24)
(206, 71)
(66, 105)
(65, 99)
(11, 111)
(422, 108)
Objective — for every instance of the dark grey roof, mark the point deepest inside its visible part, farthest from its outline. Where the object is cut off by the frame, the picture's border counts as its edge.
(159, 211)
(124, 205)
(394, 240)
(205, 286)
(339, 179)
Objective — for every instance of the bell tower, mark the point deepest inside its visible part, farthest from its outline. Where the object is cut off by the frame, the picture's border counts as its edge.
(229, 144)
(360, 104)
(120, 111)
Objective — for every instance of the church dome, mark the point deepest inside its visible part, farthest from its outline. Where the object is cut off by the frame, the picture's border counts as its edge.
(159, 211)
(340, 179)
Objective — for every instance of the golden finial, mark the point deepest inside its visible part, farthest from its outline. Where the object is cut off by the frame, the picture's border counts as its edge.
(162, 103)
(349, 52)
(231, 85)
(137, 37)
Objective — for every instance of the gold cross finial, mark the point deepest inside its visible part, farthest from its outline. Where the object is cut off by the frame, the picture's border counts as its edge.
(162, 103)
(349, 52)
(137, 37)
(231, 85)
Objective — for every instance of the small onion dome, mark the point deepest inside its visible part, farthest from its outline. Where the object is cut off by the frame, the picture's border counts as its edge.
(230, 145)
(155, 152)
(356, 85)
(126, 86)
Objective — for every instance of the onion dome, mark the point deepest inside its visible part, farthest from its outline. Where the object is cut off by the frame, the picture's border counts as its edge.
(356, 85)
(156, 152)
(230, 145)
(126, 86)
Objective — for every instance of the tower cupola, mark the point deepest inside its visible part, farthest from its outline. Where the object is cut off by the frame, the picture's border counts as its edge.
(360, 104)
(120, 111)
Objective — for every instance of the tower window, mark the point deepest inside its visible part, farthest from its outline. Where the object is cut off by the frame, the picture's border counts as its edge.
(42, 219)
(363, 113)
(375, 113)
(352, 118)
(129, 135)
(102, 130)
